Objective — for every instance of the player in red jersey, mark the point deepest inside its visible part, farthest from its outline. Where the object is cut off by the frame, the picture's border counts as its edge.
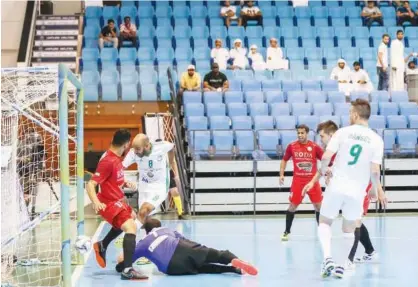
(305, 155)
(110, 203)
(325, 131)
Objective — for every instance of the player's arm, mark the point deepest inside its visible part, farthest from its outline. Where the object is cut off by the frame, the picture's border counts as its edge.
(375, 171)
(178, 235)
(91, 192)
(129, 159)
(283, 163)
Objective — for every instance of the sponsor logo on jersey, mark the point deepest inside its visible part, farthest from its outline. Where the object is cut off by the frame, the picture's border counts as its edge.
(305, 166)
(150, 174)
(97, 174)
(301, 154)
(160, 158)
(309, 148)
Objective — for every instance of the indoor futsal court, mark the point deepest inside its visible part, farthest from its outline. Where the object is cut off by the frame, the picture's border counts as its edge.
(293, 263)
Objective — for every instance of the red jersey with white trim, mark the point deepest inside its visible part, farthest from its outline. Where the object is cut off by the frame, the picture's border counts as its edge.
(305, 157)
(110, 176)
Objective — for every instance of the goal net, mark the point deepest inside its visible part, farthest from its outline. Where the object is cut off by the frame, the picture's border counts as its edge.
(33, 130)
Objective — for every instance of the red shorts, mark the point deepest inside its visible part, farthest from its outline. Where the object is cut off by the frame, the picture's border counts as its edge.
(366, 203)
(117, 213)
(315, 194)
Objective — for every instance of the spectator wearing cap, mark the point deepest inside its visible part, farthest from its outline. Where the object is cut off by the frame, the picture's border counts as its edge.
(127, 32)
(251, 13)
(190, 80)
(257, 59)
(275, 59)
(239, 56)
(215, 80)
(220, 55)
(371, 13)
(229, 13)
(405, 14)
(108, 35)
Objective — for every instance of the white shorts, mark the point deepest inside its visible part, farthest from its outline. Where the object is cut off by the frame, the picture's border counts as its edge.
(154, 194)
(333, 202)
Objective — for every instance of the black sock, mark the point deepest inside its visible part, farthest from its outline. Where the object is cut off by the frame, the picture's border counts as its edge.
(111, 235)
(355, 244)
(128, 249)
(289, 220)
(317, 213)
(365, 239)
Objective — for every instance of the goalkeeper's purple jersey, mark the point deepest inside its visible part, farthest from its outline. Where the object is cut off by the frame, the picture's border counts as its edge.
(158, 246)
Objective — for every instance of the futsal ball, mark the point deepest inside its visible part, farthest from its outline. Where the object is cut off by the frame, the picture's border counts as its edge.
(83, 244)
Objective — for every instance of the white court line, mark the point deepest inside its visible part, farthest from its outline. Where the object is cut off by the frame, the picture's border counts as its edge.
(77, 271)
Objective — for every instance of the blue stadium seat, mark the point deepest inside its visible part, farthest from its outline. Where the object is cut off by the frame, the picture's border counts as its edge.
(345, 121)
(235, 32)
(362, 43)
(197, 123)
(89, 57)
(146, 12)
(215, 109)
(200, 142)
(337, 12)
(336, 119)
(110, 12)
(302, 23)
(199, 12)
(213, 22)
(91, 32)
(368, 54)
(90, 78)
(311, 85)
(283, 75)
(343, 42)
(254, 32)
(331, 53)
(359, 95)
(146, 43)
(388, 109)
(164, 32)
(202, 53)
(233, 97)
(399, 96)
(302, 12)
(93, 12)
(268, 141)
(325, 32)
(316, 96)
(319, 12)
(184, 54)
(380, 96)
(234, 85)
(163, 12)
(273, 96)
(296, 97)
(411, 32)
(286, 137)
(313, 54)
(129, 92)
(263, 76)
(291, 45)
(128, 77)
(193, 109)
(279, 109)
(218, 32)
(289, 32)
(200, 32)
(219, 123)
(290, 86)
(165, 55)
(389, 137)
(307, 32)
(342, 109)
(181, 32)
(212, 97)
(148, 77)
(407, 140)
(241, 123)
(254, 97)
(285, 122)
(329, 85)
(413, 121)
(301, 109)
(263, 122)
(251, 85)
(396, 122)
(353, 12)
(149, 92)
(349, 3)
(245, 142)
(237, 109)
(322, 109)
(271, 32)
(128, 11)
(374, 108)
(127, 56)
(343, 33)
(243, 74)
(258, 109)
(377, 122)
(408, 109)
(311, 121)
(181, 12)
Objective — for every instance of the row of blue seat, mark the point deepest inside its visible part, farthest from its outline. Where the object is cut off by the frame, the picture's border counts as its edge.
(273, 141)
(290, 122)
(295, 109)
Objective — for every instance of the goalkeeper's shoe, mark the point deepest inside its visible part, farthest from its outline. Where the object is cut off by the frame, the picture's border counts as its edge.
(100, 254)
(131, 274)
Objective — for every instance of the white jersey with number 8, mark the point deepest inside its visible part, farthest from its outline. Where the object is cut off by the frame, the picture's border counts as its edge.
(357, 147)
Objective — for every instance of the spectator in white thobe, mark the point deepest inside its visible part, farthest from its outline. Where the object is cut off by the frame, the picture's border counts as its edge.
(275, 60)
(220, 55)
(360, 79)
(411, 70)
(342, 74)
(397, 63)
(239, 56)
(258, 63)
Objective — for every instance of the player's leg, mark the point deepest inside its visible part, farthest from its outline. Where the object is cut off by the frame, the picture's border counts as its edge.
(350, 262)
(218, 269)
(370, 253)
(295, 198)
(226, 257)
(315, 195)
(176, 196)
(100, 247)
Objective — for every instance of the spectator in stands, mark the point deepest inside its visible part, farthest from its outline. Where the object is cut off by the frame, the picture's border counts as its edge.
(360, 79)
(405, 14)
(257, 59)
(108, 34)
(127, 32)
(220, 55)
(382, 64)
(397, 63)
(239, 56)
(275, 59)
(411, 70)
(371, 13)
(229, 13)
(215, 80)
(251, 13)
(342, 74)
(190, 80)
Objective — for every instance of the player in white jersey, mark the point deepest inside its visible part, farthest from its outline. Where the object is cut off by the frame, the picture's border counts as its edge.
(359, 156)
(153, 161)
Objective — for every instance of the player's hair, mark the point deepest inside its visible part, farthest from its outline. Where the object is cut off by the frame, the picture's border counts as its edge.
(362, 108)
(328, 127)
(303, 127)
(385, 35)
(150, 224)
(121, 137)
(399, 31)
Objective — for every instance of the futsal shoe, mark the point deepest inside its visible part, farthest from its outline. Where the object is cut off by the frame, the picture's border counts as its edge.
(119, 267)
(367, 258)
(349, 265)
(244, 266)
(339, 272)
(132, 275)
(327, 267)
(100, 254)
(285, 236)
(183, 216)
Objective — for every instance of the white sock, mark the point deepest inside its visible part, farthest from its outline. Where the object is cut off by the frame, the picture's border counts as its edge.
(324, 234)
(348, 241)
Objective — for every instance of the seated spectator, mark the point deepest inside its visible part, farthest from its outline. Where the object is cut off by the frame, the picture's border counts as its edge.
(360, 79)
(108, 35)
(127, 32)
(405, 14)
(215, 80)
(220, 55)
(258, 63)
(251, 13)
(342, 74)
(411, 70)
(239, 56)
(371, 13)
(190, 80)
(275, 59)
(229, 13)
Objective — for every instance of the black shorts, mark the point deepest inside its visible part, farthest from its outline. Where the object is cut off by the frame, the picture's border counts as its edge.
(172, 180)
(188, 257)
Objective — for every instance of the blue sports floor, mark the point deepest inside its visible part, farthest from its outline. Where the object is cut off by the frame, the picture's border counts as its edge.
(294, 263)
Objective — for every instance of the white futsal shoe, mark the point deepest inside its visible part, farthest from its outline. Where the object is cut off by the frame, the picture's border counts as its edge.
(367, 258)
(339, 272)
(328, 267)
